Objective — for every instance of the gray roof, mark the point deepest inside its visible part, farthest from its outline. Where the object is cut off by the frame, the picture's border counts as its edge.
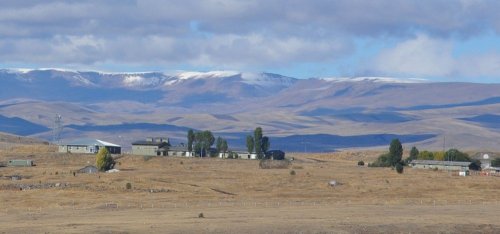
(90, 141)
(178, 148)
(442, 163)
(154, 143)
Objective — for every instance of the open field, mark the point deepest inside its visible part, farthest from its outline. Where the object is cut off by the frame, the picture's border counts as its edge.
(168, 194)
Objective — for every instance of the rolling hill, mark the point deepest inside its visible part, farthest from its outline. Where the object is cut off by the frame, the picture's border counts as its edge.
(317, 114)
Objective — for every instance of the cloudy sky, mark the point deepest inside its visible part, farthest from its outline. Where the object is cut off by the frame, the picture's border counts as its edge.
(449, 40)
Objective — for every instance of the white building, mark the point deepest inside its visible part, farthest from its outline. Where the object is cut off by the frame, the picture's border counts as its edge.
(88, 146)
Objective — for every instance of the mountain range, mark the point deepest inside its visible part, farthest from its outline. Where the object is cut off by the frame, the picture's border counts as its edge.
(316, 114)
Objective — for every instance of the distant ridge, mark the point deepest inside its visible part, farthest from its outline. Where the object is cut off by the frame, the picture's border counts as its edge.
(131, 105)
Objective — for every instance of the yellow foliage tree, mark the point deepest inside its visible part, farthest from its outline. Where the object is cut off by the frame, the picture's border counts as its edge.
(439, 156)
(103, 160)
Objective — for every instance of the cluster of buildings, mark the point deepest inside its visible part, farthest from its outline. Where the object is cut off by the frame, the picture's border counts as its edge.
(151, 146)
(484, 158)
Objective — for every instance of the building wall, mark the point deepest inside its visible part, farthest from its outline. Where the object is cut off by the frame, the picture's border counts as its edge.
(79, 149)
(114, 150)
(441, 167)
(86, 149)
(147, 150)
(177, 153)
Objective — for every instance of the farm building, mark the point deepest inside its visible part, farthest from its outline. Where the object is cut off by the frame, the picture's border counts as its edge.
(20, 163)
(179, 150)
(275, 155)
(88, 170)
(89, 146)
(151, 147)
(440, 165)
(485, 158)
(241, 154)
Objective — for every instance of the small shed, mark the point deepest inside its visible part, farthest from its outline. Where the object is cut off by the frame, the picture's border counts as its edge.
(88, 170)
(275, 155)
(21, 163)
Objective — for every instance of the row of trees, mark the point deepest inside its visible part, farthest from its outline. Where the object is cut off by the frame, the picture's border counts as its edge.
(258, 143)
(203, 141)
(450, 155)
(394, 157)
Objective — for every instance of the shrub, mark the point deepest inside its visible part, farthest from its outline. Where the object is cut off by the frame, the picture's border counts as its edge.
(399, 168)
(200, 215)
(182, 162)
(128, 186)
(382, 161)
(292, 172)
(147, 158)
(361, 163)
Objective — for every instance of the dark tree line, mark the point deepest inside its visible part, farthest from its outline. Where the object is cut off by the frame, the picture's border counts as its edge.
(201, 143)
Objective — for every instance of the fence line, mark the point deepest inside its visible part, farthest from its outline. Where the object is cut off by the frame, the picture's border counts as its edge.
(247, 204)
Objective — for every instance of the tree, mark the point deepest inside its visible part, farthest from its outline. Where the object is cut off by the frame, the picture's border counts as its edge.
(190, 140)
(413, 154)
(203, 141)
(224, 147)
(218, 145)
(250, 144)
(103, 160)
(456, 155)
(257, 137)
(495, 162)
(439, 155)
(425, 155)
(395, 152)
(265, 144)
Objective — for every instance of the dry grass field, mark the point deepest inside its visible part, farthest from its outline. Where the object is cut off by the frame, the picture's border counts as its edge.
(236, 196)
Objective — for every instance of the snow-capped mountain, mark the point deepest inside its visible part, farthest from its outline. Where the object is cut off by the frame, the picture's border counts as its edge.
(234, 102)
(52, 84)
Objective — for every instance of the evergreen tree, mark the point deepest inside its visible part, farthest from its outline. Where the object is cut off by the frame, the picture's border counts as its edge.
(224, 147)
(190, 140)
(413, 154)
(218, 145)
(265, 144)
(395, 152)
(258, 142)
(250, 144)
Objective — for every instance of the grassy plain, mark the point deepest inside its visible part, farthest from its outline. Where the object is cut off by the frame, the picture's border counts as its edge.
(236, 196)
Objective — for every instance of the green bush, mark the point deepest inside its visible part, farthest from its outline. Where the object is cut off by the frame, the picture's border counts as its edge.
(292, 172)
(128, 186)
(382, 161)
(399, 168)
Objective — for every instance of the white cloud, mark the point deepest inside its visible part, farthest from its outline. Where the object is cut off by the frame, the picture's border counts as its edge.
(426, 57)
(238, 34)
(421, 57)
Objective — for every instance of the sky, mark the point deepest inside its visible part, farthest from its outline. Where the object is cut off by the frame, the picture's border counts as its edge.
(442, 40)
